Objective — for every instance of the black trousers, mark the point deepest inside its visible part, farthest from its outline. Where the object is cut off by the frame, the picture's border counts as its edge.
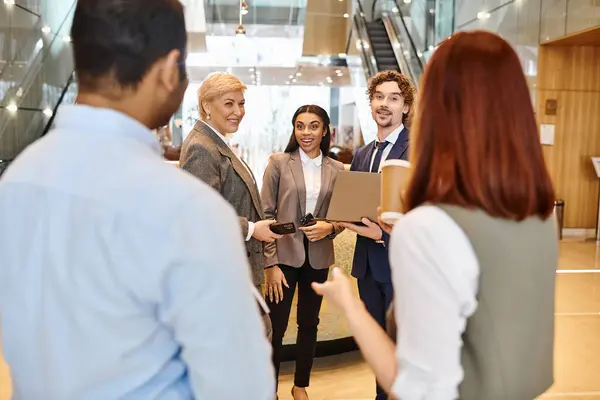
(309, 305)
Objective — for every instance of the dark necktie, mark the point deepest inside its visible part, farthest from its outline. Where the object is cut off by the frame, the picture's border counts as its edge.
(378, 154)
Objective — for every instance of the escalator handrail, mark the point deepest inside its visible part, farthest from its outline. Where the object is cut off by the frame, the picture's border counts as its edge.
(367, 56)
(58, 103)
(373, 6)
(360, 23)
(407, 32)
(397, 47)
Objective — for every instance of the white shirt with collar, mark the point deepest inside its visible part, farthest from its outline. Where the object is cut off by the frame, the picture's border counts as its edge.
(227, 141)
(391, 139)
(311, 168)
(112, 273)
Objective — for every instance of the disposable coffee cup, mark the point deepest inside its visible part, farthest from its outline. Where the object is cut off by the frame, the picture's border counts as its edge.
(395, 174)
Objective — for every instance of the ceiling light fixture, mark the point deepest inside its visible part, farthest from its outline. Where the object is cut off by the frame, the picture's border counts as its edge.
(9, 2)
(244, 8)
(346, 15)
(483, 15)
(46, 29)
(12, 107)
(240, 30)
(407, 1)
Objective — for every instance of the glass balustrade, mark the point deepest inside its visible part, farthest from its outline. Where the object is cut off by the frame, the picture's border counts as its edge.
(36, 67)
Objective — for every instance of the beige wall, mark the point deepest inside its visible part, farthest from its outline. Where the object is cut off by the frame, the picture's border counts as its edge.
(326, 30)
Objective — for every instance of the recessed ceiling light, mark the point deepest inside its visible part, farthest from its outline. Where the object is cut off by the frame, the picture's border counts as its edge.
(346, 15)
(298, 73)
(12, 107)
(46, 29)
(9, 2)
(47, 112)
(483, 15)
(407, 1)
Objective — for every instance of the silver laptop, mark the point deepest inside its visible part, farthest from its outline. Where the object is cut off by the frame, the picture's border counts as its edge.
(356, 195)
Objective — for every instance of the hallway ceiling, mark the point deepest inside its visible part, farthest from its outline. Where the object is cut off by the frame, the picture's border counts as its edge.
(310, 75)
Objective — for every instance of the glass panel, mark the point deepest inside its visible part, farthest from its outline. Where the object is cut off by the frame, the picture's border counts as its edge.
(52, 12)
(582, 14)
(21, 128)
(444, 20)
(20, 41)
(553, 19)
(42, 84)
(36, 87)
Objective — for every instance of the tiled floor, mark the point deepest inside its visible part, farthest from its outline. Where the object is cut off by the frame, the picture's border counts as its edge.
(577, 356)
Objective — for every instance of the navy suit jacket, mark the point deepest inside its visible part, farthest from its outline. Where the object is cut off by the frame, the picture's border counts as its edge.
(368, 253)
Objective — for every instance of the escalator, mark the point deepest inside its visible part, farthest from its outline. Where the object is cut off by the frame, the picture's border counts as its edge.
(36, 70)
(385, 42)
(382, 46)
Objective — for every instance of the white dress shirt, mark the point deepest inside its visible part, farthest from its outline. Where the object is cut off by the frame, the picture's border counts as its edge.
(227, 141)
(391, 139)
(311, 168)
(113, 279)
(435, 276)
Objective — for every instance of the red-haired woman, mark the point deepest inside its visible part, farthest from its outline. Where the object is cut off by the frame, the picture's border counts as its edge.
(474, 259)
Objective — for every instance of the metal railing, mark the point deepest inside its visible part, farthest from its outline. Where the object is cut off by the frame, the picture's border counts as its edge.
(364, 43)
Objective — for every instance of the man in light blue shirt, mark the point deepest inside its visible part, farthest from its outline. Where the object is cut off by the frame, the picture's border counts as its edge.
(122, 277)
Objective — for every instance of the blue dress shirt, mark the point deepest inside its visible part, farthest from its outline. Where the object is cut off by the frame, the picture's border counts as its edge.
(123, 277)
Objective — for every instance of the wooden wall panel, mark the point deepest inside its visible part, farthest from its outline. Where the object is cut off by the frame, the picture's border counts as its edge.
(571, 75)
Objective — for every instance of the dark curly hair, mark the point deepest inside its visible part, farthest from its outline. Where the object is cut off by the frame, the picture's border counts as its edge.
(407, 89)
